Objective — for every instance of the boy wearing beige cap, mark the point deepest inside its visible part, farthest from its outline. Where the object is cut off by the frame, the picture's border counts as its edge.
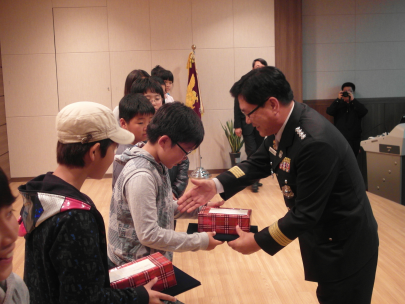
(65, 241)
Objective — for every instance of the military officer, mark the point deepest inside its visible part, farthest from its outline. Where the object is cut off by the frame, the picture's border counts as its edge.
(327, 208)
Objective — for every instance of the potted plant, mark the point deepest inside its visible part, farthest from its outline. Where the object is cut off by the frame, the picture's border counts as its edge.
(235, 142)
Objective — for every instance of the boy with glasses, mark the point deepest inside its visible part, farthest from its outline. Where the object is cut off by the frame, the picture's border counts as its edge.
(142, 209)
(152, 89)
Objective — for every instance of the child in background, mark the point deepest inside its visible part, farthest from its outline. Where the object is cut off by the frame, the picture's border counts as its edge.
(142, 209)
(161, 82)
(179, 173)
(135, 112)
(65, 243)
(168, 79)
(151, 89)
(12, 287)
(131, 78)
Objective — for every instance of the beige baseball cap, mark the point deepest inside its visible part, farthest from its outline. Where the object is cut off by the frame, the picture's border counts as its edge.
(86, 122)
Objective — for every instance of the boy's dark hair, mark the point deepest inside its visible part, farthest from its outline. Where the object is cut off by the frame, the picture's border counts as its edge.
(158, 79)
(349, 84)
(177, 121)
(134, 104)
(6, 197)
(257, 86)
(156, 70)
(147, 84)
(134, 75)
(72, 155)
(162, 73)
(261, 60)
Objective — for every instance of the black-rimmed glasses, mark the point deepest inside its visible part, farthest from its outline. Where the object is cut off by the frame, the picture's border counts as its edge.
(251, 112)
(187, 153)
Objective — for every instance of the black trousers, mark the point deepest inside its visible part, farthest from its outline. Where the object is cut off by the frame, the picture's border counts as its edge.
(356, 289)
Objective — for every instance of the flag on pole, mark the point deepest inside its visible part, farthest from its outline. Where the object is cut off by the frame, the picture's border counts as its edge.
(193, 97)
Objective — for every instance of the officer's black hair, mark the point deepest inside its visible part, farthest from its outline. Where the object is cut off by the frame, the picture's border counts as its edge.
(257, 86)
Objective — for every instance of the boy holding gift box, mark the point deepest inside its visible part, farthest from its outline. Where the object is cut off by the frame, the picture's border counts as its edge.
(65, 243)
(142, 209)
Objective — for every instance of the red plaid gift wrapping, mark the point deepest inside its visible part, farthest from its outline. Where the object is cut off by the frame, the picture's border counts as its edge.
(223, 220)
(140, 272)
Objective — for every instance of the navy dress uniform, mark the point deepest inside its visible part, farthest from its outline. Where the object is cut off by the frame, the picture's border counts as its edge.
(327, 208)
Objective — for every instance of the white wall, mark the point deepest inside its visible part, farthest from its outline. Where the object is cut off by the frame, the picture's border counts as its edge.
(61, 51)
(362, 41)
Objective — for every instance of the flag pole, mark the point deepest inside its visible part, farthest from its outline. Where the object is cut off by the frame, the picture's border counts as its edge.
(199, 172)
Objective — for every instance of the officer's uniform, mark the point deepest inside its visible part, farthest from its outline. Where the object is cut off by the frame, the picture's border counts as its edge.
(326, 203)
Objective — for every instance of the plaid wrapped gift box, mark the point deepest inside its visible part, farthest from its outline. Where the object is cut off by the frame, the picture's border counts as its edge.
(141, 271)
(223, 220)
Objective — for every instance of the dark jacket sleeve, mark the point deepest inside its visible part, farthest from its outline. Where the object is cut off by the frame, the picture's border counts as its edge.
(359, 108)
(179, 178)
(335, 106)
(247, 172)
(77, 261)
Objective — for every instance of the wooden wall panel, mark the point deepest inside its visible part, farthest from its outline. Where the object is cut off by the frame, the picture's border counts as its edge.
(2, 111)
(4, 157)
(1, 78)
(320, 106)
(3, 140)
(288, 42)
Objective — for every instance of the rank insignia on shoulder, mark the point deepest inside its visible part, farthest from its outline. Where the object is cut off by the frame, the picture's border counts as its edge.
(237, 171)
(285, 164)
(300, 133)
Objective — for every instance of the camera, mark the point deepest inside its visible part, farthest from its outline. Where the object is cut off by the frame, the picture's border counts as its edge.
(345, 94)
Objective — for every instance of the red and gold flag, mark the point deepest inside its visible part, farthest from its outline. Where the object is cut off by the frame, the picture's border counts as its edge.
(193, 97)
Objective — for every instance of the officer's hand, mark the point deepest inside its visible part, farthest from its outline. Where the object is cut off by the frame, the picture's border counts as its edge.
(246, 243)
(155, 297)
(238, 132)
(199, 195)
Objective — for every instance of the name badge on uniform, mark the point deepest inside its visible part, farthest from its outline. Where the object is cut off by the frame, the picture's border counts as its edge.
(274, 152)
(285, 164)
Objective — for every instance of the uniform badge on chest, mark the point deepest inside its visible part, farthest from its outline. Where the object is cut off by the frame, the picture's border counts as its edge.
(285, 164)
(287, 192)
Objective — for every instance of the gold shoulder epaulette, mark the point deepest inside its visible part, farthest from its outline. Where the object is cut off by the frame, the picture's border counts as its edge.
(237, 171)
(278, 236)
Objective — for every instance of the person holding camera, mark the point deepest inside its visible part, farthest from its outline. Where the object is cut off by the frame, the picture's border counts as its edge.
(348, 112)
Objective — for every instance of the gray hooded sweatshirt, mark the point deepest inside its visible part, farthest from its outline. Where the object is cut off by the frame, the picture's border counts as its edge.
(142, 212)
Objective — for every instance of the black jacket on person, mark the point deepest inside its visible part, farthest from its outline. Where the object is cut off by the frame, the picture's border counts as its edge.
(347, 117)
(240, 120)
(327, 208)
(65, 247)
